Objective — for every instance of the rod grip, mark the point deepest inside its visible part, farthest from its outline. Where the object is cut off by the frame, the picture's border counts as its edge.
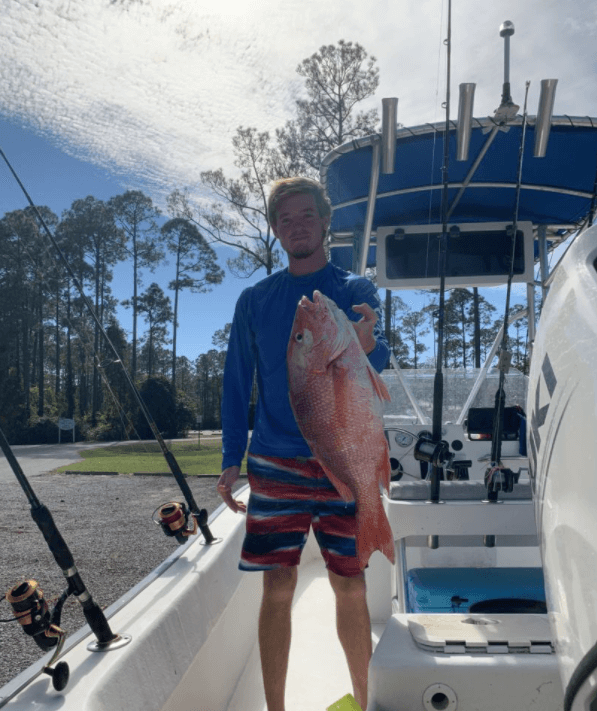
(43, 518)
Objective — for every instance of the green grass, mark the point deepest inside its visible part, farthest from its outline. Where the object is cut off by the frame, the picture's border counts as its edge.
(147, 457)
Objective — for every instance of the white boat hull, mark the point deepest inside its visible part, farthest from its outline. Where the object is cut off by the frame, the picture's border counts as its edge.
(562, 408)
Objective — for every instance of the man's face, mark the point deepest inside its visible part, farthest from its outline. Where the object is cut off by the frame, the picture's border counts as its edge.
(299, 227)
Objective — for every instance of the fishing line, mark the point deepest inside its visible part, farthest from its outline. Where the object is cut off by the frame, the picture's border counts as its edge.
(438, 385)
(434, 142)
(200, 514)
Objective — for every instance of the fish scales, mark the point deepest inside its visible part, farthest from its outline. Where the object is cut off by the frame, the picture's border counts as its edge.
(336, 396)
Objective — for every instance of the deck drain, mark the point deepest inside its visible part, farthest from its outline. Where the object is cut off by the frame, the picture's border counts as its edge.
(439, 697)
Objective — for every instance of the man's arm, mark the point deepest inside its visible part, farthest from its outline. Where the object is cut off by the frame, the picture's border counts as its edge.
(237, 384)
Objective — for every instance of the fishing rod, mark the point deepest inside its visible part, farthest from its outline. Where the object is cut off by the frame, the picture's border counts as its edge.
(497, 477)
(436, 452)
(173, 517)
(29, 606)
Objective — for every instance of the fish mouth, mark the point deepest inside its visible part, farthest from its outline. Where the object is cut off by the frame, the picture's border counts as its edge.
(320, 305)
(308, 305)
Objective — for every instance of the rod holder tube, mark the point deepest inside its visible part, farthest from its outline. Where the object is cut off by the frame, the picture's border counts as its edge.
(389, 119)
(371, 200)
(465, 120)
(544, 114)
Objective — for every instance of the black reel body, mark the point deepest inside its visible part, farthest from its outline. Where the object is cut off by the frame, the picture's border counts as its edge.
(435, 453)
(500, 479)
(33, 614)
(173, 518)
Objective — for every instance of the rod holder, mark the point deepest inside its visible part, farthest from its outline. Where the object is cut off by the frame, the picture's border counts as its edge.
(544, 114)
(465, 120)
(389, 119)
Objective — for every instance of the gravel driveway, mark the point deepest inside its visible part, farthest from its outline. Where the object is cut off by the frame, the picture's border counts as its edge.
(106, 522)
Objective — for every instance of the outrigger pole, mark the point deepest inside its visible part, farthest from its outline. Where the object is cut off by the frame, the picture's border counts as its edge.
(173, 517)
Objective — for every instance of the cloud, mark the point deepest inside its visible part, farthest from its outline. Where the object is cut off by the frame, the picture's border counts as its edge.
(154, 89)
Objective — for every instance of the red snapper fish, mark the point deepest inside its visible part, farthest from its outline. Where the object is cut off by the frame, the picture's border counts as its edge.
(336, 397)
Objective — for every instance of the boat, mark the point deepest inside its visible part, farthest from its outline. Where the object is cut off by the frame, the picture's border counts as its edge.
(491, 602)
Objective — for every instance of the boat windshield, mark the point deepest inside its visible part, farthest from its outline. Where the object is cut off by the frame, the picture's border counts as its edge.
(458, 384)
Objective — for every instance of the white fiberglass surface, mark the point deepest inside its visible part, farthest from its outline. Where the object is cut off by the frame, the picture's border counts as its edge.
(317, 674)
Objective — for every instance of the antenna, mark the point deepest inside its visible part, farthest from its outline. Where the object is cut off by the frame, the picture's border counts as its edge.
(506, 31)
(507, 110)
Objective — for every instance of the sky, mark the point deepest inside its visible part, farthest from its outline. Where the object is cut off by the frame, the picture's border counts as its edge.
(101, 96)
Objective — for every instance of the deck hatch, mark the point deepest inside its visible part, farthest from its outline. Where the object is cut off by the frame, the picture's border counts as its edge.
(477, 634)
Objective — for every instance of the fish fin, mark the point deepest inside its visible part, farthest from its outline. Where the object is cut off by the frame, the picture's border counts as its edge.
(374, 534)
(340, 486)
(378, 384)
(385, 470)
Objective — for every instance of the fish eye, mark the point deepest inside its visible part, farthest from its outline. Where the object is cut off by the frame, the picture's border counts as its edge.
(299, 337)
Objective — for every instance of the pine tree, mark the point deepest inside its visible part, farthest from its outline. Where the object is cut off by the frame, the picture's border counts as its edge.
(337, 79)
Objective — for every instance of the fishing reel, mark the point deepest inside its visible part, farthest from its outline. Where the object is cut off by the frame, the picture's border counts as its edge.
(435, 453)
(33, 614)
(174, 519)
(500, 479)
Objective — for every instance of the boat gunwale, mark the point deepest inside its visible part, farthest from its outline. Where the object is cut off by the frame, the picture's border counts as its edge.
(27, 676)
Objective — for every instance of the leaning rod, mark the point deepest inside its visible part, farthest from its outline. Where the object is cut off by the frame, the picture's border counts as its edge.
(199, 514)
(438, 383)
(498, 418)
(59, 549)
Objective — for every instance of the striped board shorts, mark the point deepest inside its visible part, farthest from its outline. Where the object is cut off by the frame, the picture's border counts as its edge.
(288, 496)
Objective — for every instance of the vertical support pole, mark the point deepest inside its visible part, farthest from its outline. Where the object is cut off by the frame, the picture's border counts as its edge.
(531, 317)
(543, 264)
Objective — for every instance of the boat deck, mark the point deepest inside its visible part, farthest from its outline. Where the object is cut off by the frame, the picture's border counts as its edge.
(317, 675)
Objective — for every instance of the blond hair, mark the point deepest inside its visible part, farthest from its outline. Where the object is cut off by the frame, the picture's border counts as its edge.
(297, 186)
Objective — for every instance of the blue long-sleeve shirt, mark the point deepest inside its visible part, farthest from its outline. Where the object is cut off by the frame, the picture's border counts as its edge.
(259, 336)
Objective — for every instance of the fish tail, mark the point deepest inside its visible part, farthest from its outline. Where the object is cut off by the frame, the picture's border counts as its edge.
(374, 533)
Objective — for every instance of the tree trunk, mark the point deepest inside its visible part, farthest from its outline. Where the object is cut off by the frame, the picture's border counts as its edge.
(57, 350)
(175, 321)
(134, 355)
(26, 366)
(94, 374)
(70, 394)
(40, 336)
(477, 328)
(388, 317)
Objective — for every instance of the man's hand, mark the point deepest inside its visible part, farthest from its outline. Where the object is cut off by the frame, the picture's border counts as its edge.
(365, 326)
(225, 483)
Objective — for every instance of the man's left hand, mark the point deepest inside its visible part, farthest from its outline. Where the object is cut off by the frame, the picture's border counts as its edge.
(365, 326)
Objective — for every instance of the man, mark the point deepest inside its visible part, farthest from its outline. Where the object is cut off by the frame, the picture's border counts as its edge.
(282, 471)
